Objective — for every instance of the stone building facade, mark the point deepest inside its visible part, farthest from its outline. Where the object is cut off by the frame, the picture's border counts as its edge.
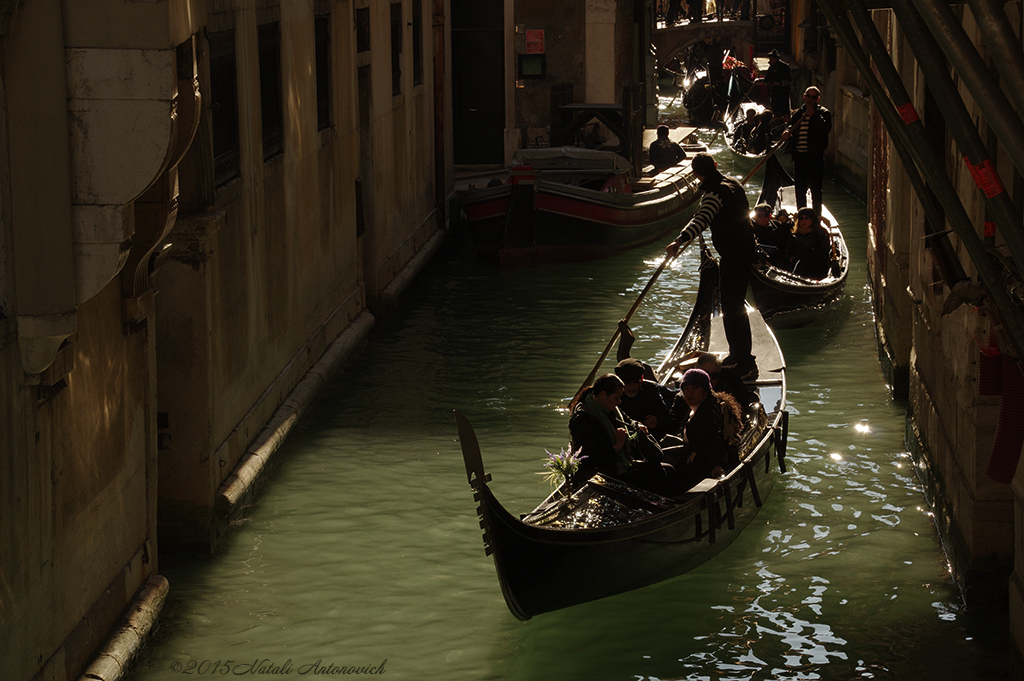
(203, 206)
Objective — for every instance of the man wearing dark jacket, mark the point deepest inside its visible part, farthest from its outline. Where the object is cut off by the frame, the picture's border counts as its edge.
(725, 209)
(777, 78)
(812, 124)
(646, 401)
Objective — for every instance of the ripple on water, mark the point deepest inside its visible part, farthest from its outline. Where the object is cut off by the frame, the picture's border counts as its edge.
(365, 545)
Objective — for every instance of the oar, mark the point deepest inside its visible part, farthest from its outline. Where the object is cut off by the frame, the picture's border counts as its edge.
(771, 152)
(636, 305)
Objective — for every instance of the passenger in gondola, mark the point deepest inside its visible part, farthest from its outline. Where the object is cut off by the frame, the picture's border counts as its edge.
(646, 401)
(725, 380)
(741, 134)
(711, 423)
(810, 252)
(772, 236)
(761, 135)
(663, 152)
(613, 443)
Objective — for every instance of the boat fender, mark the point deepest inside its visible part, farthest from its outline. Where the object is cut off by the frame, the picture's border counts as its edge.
(1009, 439)
(989, 364)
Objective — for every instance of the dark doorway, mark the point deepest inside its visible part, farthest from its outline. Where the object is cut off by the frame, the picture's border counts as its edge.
(478, 81)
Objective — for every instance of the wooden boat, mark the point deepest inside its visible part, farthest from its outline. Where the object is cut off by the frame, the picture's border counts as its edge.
(600, 537)
(702, 99)
(567, 204)
(746, 155)
(784, 298)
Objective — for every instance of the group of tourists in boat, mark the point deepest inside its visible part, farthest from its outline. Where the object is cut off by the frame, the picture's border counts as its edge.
(659, 438)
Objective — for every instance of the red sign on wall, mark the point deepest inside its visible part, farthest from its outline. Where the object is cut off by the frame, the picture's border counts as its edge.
(535, 41)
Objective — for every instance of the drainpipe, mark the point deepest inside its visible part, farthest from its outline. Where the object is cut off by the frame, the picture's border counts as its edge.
(960, 51)
(932, 65)
(932, 167)
(1003, 45)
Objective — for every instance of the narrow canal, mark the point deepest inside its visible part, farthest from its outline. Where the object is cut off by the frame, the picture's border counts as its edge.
(364, 546)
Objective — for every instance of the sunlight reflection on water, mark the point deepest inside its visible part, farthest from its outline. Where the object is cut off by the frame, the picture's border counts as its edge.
(365, 545)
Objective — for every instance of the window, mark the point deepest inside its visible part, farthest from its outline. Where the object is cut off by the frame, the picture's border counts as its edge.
(224, 106)
(417, 42)
(396, 48)
(363, 29)
(322, 37)
(269, 36)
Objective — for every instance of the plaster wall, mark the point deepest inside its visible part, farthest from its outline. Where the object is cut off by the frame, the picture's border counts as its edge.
(565, 45)
(77, 535)
(403, 210)
(262, 281)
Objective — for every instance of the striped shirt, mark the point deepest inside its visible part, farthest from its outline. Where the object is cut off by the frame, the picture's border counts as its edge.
(710, 204)
(802, 134)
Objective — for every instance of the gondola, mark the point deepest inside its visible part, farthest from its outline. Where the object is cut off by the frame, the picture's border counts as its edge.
(701, 99)
(599, 537)
(786, 299)
(566, 204)
(747, 153)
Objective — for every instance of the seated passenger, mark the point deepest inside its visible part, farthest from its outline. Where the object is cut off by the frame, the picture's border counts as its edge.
(742, 132)
(810, 252)
(645, 401)
(725, 380)
(761, 135)
(773, 236)
(614, 444)
(663, 152)
(709, 432)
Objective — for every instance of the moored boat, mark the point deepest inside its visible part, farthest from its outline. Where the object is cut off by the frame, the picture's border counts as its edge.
(599, 537)
(786, 299)
(567, 204)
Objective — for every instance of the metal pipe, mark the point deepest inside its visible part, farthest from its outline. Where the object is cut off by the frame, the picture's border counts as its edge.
(932, 65)
(960, 51)
(1003, 45)
(932, 167)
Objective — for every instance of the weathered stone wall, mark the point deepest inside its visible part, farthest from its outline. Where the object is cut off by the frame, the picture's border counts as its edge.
(258, 286)
(950, 425)
(77, 497)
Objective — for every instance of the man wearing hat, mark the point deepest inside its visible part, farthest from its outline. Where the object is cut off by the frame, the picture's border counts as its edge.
(777, 78)
(663, 152)
(725, 209)
(645, 401)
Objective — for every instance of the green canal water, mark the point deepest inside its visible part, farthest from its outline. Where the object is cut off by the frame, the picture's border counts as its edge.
(364, 546)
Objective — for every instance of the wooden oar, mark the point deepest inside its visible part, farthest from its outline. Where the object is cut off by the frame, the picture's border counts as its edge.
(636, 305)
(771, 152)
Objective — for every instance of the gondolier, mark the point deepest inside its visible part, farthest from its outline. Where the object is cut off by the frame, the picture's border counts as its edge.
(811, 126)
(725, 209)
(778, 78)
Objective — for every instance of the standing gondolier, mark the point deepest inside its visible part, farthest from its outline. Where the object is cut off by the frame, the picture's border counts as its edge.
(777, 78)
(725, 209)
(811, 127)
